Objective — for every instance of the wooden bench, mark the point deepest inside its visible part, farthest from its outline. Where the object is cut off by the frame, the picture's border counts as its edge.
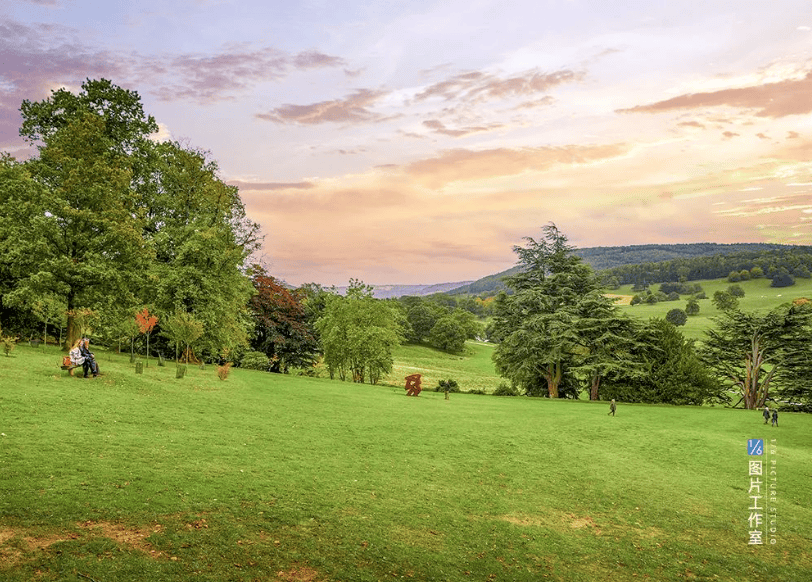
(68, 365)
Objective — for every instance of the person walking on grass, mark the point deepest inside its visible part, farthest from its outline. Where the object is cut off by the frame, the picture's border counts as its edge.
(612, 407)
(766, 414)
(775, 417)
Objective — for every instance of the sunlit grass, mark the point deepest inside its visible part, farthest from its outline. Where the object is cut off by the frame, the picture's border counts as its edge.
(267, 477)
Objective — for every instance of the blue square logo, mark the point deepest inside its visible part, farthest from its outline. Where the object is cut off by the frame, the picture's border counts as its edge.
(755, 447)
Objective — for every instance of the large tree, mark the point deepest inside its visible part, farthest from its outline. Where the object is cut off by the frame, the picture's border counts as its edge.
(77, 233)
(762, 355)
(196, 226)
(538, 323)
(667, 370)
(109, 219)
(281, 328)
(358, 333)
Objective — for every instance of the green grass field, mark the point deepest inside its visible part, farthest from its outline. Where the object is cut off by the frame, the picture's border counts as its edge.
(473, 369)
(279, 478)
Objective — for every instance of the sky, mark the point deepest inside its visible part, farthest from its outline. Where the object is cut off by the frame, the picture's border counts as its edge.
(419, 141)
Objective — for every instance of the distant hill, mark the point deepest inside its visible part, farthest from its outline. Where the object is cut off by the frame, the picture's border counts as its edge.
(394, 291)
(603, 258)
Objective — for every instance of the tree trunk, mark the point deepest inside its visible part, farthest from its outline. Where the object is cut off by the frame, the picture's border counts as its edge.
(593, 389)
(553, 377)
(73, 333)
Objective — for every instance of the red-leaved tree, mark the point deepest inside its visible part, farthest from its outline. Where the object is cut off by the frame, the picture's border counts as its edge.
(146, 322)
(281, 330)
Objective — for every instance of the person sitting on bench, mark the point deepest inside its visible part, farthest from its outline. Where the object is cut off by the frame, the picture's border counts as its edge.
(89, 363)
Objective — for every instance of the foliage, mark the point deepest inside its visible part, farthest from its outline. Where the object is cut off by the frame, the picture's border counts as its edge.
(223, 370)
(504, 389)
(358, 333)
(182, 329)
(9, 343)
(556, 325)
(736, 290)
(448, 334)
(146, 322)
(281, 327)
(724, 301)
(783, 279)
(255, 361)
(677, 316)
(692, 307)
(670, 373)
(760, 354)
(447, 386)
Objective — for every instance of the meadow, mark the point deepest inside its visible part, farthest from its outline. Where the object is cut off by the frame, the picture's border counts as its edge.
(758, 296)
(266, 477)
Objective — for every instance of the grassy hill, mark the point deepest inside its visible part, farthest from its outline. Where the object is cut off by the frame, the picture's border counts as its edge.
(759, 296)
(264, 477)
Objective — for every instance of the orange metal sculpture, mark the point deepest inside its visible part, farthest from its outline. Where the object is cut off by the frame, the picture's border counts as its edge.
(413, 385)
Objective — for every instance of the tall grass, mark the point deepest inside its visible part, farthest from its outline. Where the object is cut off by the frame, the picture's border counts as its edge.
(268, 477)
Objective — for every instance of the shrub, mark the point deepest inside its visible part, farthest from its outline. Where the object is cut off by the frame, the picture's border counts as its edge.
(222, 371)
(736, 290)
(783, 279)
(692, 307)
(255, 361)
(505, 390)
(450, 385)
(677, 317)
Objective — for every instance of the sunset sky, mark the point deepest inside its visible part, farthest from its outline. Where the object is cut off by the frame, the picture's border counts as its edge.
(415, 142)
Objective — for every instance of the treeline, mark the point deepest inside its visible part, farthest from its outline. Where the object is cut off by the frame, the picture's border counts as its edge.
(784, 264)
(645, 265)
(617, 262)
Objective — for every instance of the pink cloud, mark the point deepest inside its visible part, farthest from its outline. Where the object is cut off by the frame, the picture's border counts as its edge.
(352, 109)
(780, 99)
(477, 86)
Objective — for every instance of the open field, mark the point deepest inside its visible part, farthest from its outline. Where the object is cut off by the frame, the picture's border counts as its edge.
(473, 370)
(278, 478)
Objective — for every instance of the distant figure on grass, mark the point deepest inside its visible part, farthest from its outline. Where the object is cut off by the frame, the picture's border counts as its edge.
(612, 407)
(766, 414)
(89, 363)
(775, 417)
(413, 385)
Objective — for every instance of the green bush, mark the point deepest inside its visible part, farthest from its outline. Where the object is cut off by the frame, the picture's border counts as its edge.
(505, 390)
(450, 385)
(255, 361)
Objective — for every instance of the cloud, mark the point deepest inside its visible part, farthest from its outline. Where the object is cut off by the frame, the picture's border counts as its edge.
(691, 124)
(730, 134)
(216, 77)
(438, 127)
(39, 57)
(466, 165)
(773, 100)
(476, 86)
(271, 186)
(352, 109)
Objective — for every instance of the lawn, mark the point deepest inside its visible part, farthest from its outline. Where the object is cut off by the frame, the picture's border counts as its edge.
(472, 370)
(279, 478)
